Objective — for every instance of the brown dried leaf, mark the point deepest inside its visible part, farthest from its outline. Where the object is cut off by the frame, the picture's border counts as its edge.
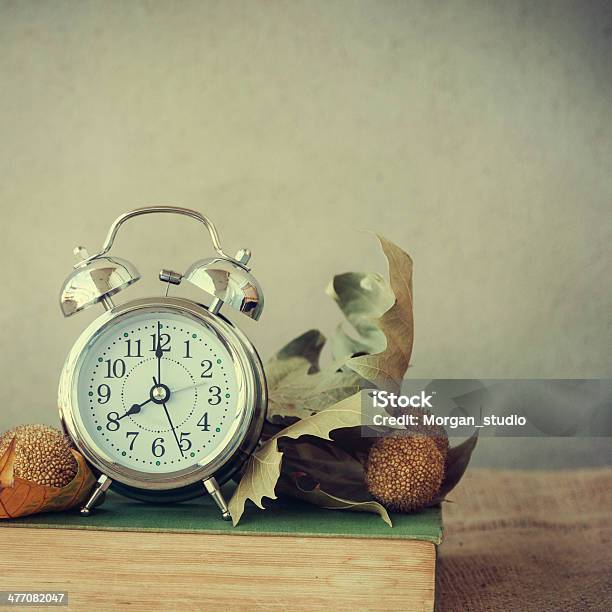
(7, 465)
(300, 394)
(386, 369)
(304, 488)
(363, 298)
(308, 346)
(296, 386)
(456, 463)
(20, 497)
(327, 463)
(263, 468)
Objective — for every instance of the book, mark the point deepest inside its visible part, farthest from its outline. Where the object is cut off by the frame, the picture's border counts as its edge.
(185, 557)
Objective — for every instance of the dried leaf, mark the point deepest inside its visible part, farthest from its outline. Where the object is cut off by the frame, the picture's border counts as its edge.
(383, 319)
(457, 460)
(263, 468)
(7, 466)
(363, 299)
(304, 488)
(296, 386)
(304, 349)
(335, 468)
(308, 346)
(20, 497)
(386, 369)
(300, 394)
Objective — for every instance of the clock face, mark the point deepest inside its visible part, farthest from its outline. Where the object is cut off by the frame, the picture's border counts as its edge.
(159, 392)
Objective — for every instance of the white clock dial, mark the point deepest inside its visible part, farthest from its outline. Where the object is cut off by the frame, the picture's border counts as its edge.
(158, 391)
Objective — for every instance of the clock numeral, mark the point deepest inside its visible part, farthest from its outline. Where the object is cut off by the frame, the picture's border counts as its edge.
(134, 434)
(113, 421)
(207, 371)
(187, 353)
(115, 369)
(104, 394)
(157, 448)
(203, 422)
(130, 344)
(215, 395)
(164, 342)
(184, 441)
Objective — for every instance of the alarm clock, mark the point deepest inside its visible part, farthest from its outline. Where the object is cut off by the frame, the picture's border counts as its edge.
(163, 396)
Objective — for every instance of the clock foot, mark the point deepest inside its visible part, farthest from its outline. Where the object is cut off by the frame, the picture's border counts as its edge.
(96, 495)
(214, 490)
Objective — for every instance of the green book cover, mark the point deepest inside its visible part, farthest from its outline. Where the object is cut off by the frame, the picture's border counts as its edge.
(283, 517)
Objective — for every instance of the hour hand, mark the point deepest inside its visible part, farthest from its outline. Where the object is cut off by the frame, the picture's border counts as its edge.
(134, 409)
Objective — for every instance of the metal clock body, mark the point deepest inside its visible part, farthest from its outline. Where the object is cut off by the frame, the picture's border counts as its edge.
(164, 397)
(112, 368)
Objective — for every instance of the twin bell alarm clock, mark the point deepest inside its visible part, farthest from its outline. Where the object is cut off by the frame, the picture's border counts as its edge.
(163, 396)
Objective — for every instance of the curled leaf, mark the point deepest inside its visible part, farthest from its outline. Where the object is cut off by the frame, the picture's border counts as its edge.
(302, 487)
(20, 497)
(301, 394)
(386, 369)
(306, 462)
(457, 460)
(327, 463)
(363, 299)
(263, 467)
(7, 466)
(308, 346)
(336, 467)
(297, 388)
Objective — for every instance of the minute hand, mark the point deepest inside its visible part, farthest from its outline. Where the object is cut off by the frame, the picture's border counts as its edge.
(159, 353)
(202, 384)
(173, 430)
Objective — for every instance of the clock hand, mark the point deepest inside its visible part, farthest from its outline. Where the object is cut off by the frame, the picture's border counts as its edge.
(173, 430)
(134, 409)
(158, 384)
(159, 353)
(190, 387)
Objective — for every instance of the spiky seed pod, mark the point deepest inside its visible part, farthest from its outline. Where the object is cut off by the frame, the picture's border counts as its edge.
(404, 473)
(42, 455)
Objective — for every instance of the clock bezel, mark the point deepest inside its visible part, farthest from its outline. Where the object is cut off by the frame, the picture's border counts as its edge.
(252, 400)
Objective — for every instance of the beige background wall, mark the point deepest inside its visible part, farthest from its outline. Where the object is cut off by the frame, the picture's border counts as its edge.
(477, 135)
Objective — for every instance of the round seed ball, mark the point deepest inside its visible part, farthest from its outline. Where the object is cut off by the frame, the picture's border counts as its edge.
(436, 432)
(404, 473)
(42, 455)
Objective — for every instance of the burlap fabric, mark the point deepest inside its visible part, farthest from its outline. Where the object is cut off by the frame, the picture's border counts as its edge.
(522, 540)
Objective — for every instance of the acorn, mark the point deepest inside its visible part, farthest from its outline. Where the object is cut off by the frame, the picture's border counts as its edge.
(404, 472)
(42, 455)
